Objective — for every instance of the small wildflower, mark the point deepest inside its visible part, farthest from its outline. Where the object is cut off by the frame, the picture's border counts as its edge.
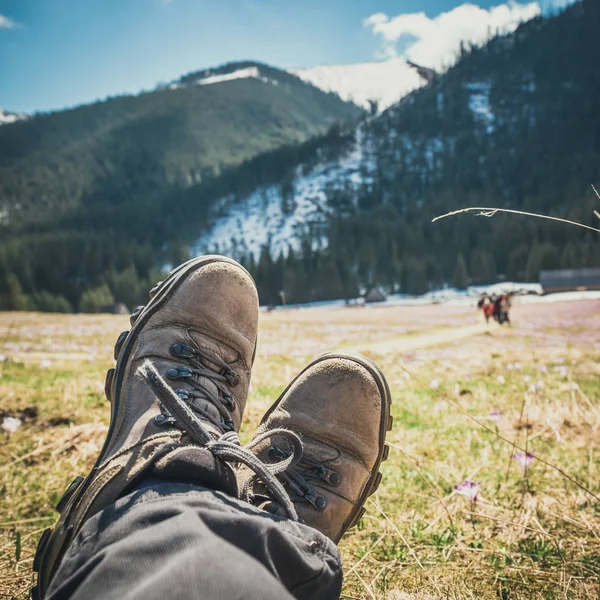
(532, 389)
(526, 378)
(501, 380)
(469, 489)
(543, 369)
(524, 459)
(10, 424)
(496, 416)
(434, 383)
(45, 364)
(406, 375)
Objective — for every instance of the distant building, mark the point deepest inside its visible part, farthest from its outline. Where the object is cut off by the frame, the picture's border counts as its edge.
(565, 280)
(375, 294)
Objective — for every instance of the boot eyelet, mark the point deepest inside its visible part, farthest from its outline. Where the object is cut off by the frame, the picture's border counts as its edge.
(119, 344)
(179, 373)
(183, 394)
(319, 502)
(228, 425)
(232, 377)
(335, 479)
(228, 401)
(331, 477)
(136, 313)
(163, 420)
(182, 350)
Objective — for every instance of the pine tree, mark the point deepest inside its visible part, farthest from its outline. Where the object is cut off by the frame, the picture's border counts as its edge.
(17, 300)
(461, 279)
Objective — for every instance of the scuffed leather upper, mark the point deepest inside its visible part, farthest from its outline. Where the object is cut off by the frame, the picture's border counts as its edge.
(210, 304)
(337, 408)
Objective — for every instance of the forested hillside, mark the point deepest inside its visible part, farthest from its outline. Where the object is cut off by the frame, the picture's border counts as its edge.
(514, 124)
(97, 190)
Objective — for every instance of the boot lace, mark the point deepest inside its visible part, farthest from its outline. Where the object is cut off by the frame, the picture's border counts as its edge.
(300, 475)
(227, 447)
(223, 400)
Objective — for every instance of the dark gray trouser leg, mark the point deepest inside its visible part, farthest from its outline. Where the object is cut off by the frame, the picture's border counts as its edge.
(176, 541)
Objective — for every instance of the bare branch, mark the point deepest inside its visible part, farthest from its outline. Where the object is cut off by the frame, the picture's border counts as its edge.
(490, 212)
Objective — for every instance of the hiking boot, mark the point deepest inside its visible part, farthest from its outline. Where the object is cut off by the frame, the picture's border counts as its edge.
(339, 406)
(179, 389)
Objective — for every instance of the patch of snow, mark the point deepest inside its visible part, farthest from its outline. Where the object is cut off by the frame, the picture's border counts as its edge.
(384, 82)
(248, 73)
(560, 297)
(479, 103)
(266, 217)
(506, 287)
(8, 117)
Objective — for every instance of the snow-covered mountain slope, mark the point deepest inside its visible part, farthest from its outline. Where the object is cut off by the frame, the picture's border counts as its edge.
(275, 218)
(8, 117)
(383, 82)
(208, 78)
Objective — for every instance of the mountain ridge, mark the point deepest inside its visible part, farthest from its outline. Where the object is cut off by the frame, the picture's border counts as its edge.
(370, 85)
(498, 129)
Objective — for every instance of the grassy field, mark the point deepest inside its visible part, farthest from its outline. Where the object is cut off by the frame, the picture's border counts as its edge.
(463, 396)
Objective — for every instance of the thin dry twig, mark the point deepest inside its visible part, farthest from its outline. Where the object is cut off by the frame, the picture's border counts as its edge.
(490, 212)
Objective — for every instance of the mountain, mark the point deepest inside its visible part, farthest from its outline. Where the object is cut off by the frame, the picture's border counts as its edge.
(383, 83)
(512, 125)
(9, 117)
(103, 194)
(138, 149)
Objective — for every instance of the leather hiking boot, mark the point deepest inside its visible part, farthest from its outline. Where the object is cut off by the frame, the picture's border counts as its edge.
(339, 406)
(177, 394)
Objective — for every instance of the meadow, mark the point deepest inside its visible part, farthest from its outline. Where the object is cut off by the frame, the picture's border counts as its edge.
(491, 489)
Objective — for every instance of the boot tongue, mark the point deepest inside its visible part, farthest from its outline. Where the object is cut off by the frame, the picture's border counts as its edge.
(204, 405)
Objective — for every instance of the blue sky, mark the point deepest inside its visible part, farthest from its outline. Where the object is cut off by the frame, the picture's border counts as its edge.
(59, 53)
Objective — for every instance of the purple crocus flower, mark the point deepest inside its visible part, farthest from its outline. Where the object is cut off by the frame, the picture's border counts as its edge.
(496, 416)
(469, 489)
(524, 459)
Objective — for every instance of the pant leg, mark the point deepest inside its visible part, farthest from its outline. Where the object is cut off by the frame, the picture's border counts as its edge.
(180, 542)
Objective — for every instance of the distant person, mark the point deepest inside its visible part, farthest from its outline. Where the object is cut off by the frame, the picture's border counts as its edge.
(175, 507)
(487, 306)
(503, 308)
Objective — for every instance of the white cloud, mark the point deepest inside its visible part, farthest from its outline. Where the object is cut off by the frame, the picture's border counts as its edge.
(6, 23)
(435, 42)
(376, 19)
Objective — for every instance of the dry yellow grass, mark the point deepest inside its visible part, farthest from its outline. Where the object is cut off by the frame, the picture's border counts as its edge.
(533, 534)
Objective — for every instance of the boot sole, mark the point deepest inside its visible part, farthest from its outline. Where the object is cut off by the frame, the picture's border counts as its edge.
(385, 425)
(54, 544)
